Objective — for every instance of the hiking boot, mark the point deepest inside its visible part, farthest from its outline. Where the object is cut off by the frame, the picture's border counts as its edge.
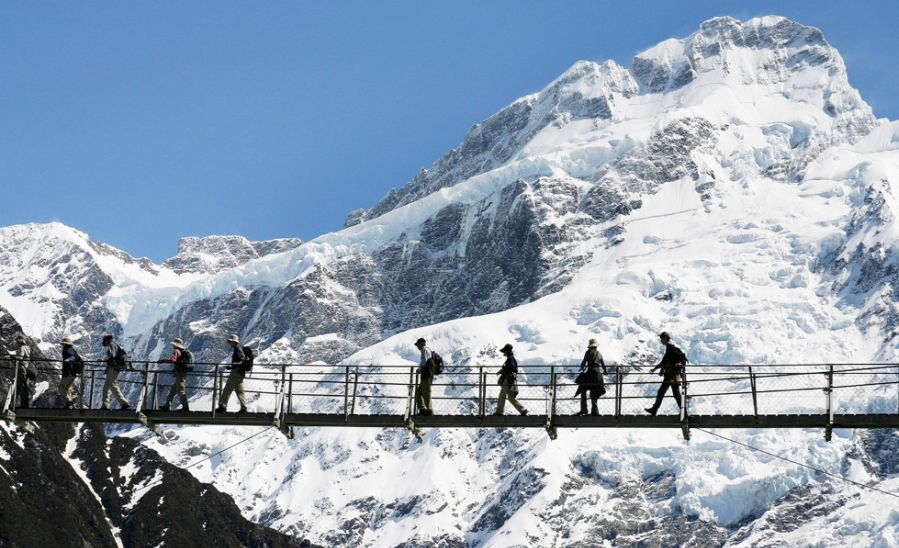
(185, 409)
(68, 405)
(221, 409)
(165, 407)
(651, 411)
(581, 413)
(242, 411)
(594, 413)
(524, 412)
(498, 414)
(104, 408)
(125, 406)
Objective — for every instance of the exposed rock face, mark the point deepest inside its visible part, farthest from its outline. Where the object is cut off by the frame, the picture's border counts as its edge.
(216, 253)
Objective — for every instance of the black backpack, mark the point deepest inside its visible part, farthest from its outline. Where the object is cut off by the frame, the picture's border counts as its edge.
(438, 363)
(120, 361)
(185, 361)
(248, 356)
(77, 365)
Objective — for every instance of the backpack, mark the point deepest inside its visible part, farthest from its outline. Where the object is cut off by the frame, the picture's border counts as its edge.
(681, 357)
(185, 361)
(438, 363)
(248, 356)
(77, 365)
(120, 361)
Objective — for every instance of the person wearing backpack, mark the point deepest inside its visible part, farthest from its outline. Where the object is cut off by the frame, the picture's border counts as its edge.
(590, 379)
(26, 373)
(508, 383)
(116, 362)
(72, 366)
(182, 360)
(235, 377)
(426, 372)
(671, 366)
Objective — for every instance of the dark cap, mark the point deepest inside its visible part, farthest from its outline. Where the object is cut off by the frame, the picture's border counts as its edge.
(107, 337)
(506, 349)
(665, 335)
(420, 342)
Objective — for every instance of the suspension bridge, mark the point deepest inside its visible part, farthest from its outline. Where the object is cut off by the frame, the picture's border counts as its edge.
(818, 396)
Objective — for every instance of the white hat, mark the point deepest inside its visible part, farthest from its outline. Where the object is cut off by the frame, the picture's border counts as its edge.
(67, 341)
(178, 343)
(592, 342)
(234, 339)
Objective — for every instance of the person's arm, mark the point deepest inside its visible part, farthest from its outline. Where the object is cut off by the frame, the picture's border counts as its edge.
(585, 361)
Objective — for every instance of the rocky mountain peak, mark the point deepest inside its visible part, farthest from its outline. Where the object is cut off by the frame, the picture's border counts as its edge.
(759, 50)
(212, 254)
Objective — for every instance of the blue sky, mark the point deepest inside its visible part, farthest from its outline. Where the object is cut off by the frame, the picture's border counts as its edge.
(140, 122)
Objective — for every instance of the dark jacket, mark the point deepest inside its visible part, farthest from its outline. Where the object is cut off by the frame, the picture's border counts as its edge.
(508, 373)
(69, 358)
(237, 358)
(589, 377)
(112, 350)
(672, 364)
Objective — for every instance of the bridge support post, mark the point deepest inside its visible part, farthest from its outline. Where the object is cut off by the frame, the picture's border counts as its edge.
(618, 391)
(828, 430)
(90, 396)
(755, 401)
(215, 390)
(684, 410)
(346, 393)
(81, 391)
(551, 403)
(155, 389)
(355, 387)
(290, 394)
(9, 405)
(482, 392)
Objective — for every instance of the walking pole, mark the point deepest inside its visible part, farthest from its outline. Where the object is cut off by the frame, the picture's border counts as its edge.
(90, 401)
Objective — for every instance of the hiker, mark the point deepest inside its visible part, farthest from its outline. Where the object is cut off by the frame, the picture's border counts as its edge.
(26, 373)
(72, 366)
(181, 358)
(115, 363)
(235, 377)
(508, 383)
(671, 366)
(590, 380)
(425, 378)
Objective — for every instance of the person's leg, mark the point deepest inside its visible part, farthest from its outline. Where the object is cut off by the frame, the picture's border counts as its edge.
(230, 385)
(594, 395)
(584, 401)
(501, 400)
(111, 375)
(426, 395)
(117, 392)
(513, 399)
(659, 396)
(419, 399)
(241, 395)
(182, 390)
(23, 392)
(675, 390)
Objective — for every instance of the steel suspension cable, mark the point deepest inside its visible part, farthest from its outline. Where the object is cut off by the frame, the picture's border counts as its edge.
(797, 463)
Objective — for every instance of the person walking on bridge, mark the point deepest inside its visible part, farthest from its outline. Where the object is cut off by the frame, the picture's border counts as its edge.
(235, 378)
(508, 383)
(671, 367)
(25, 373)
(181, 358)
(72, 366)
(426, 370)
(590, 379)
(116, 362)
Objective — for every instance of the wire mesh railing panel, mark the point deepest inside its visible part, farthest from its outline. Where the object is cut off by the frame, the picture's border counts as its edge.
(860, 390)
(785, 391)
(720, 391)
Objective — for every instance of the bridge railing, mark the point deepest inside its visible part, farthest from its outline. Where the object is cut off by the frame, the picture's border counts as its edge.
(472, 390)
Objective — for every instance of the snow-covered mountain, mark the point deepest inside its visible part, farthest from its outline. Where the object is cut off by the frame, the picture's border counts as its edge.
(730, 187)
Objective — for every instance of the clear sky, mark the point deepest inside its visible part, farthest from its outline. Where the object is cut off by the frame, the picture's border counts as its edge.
(140, 122)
